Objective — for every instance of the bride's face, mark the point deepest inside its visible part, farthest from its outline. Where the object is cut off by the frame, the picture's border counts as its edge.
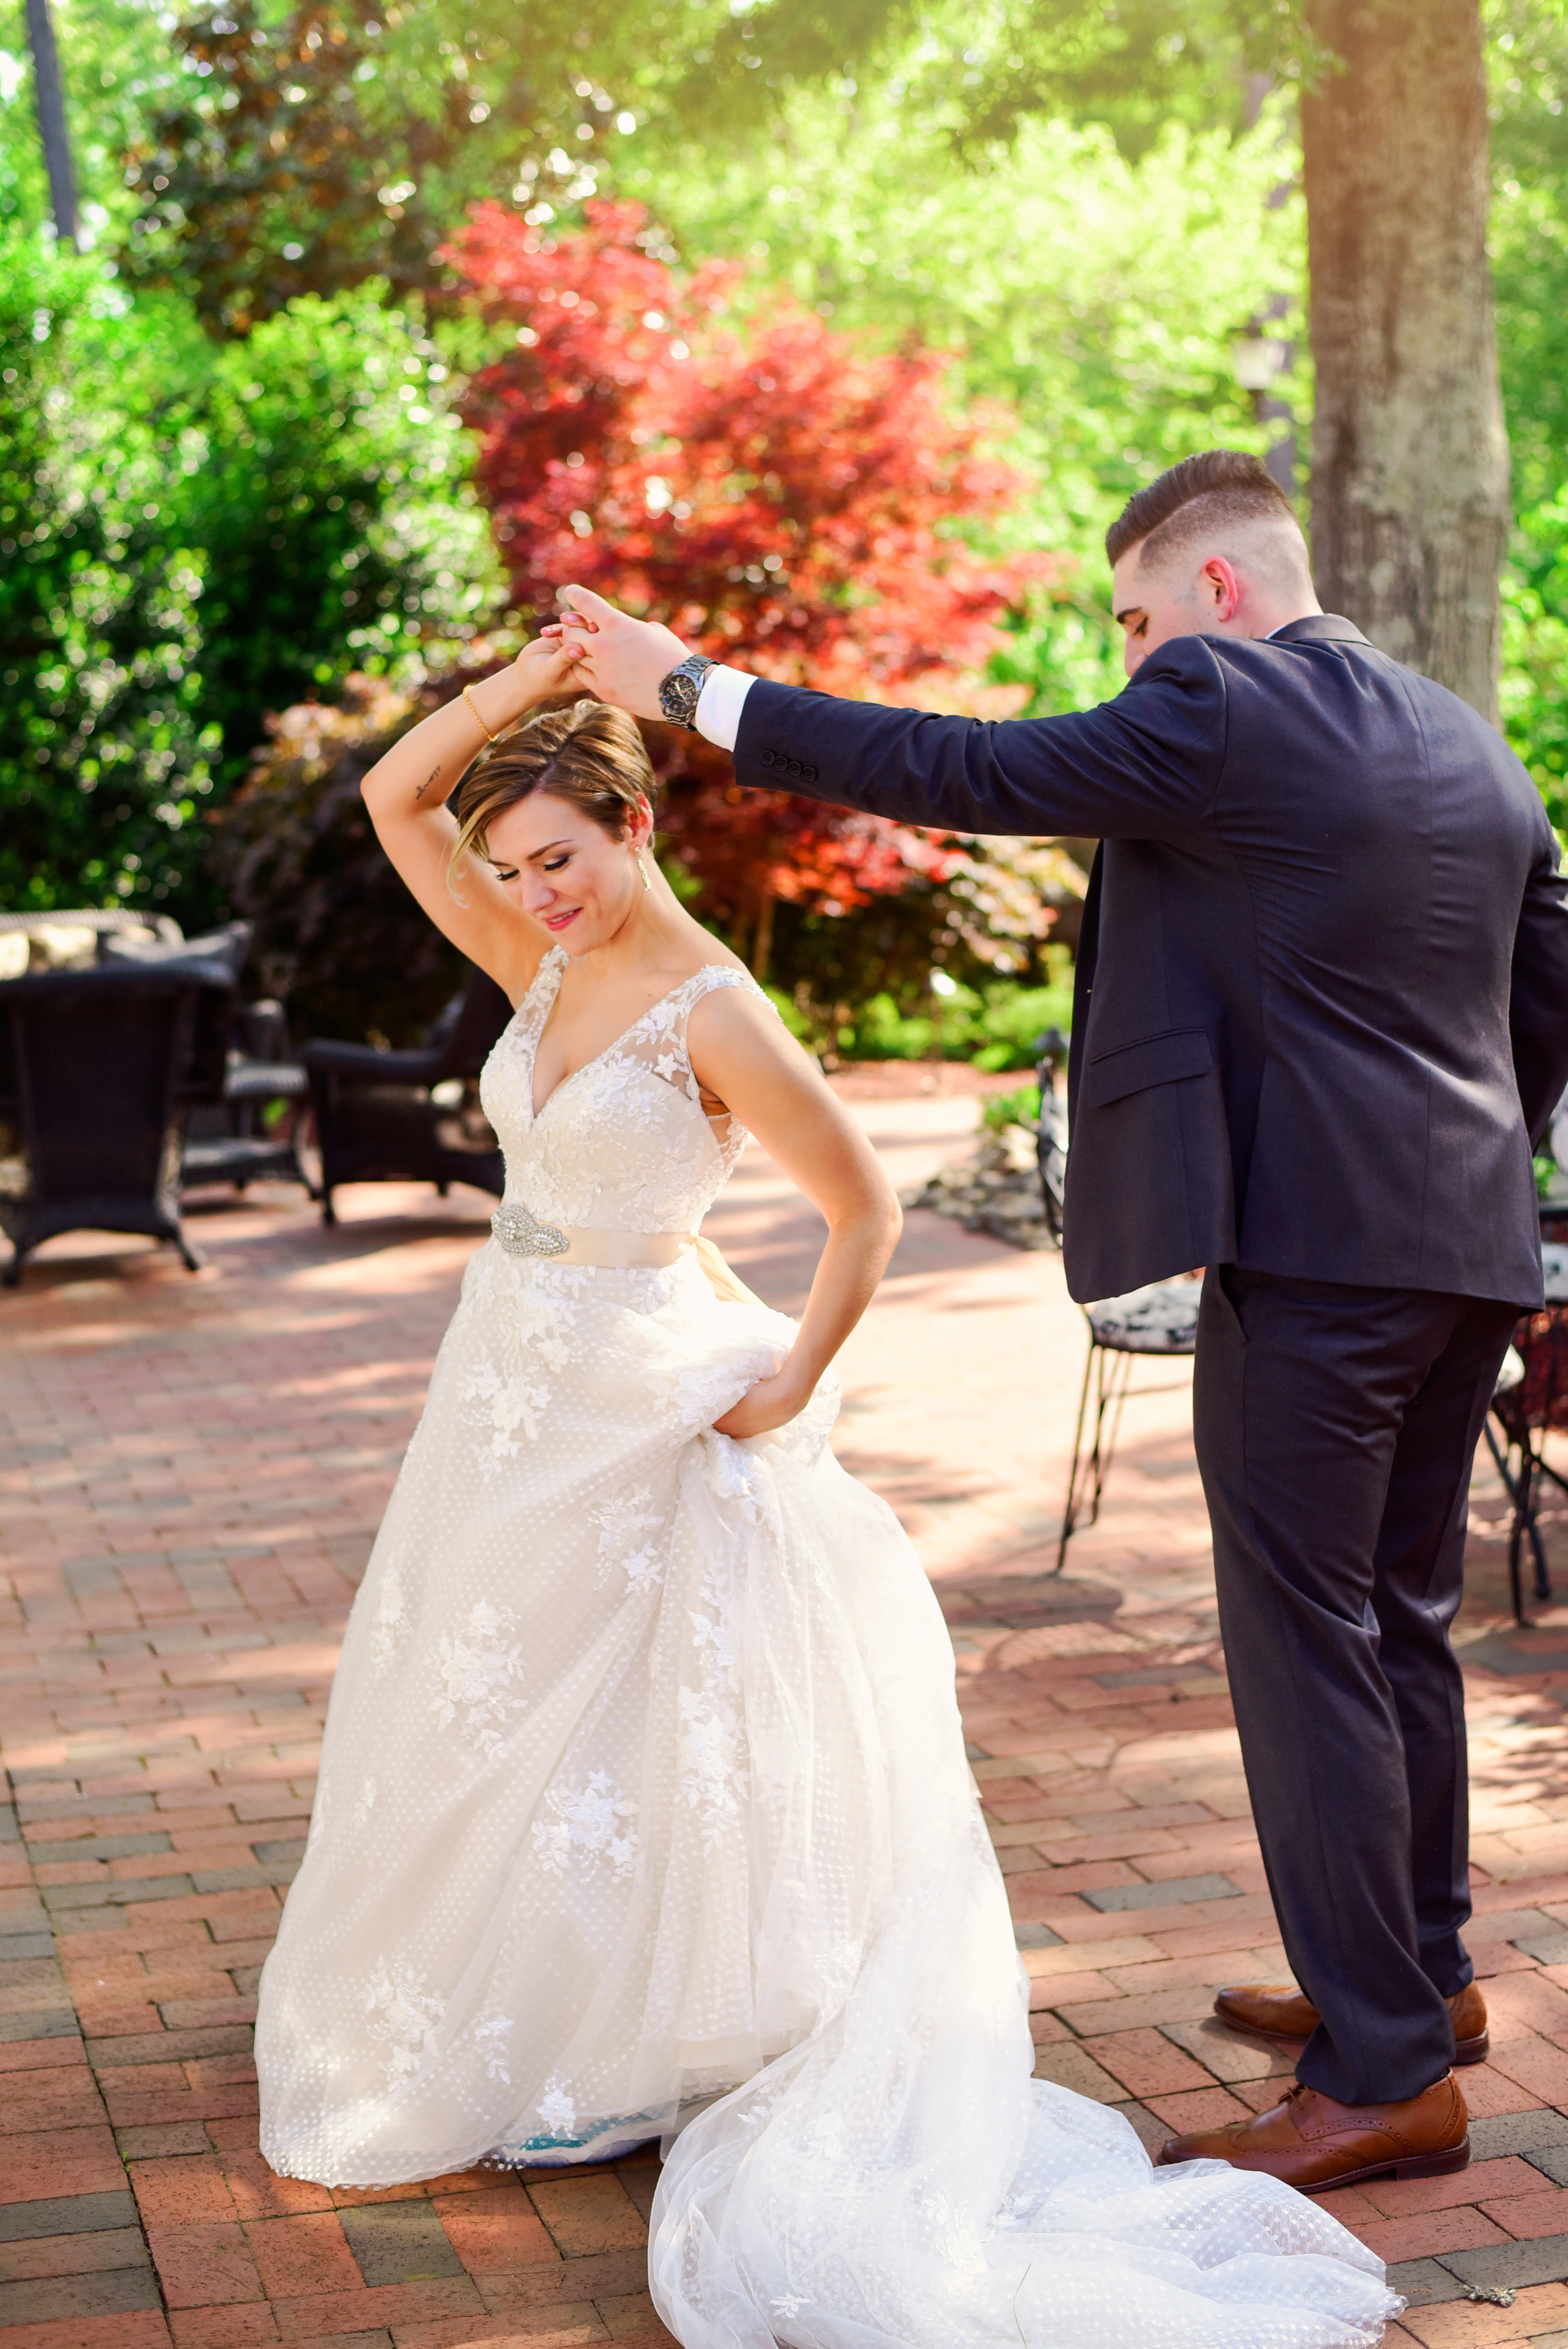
(567, 871)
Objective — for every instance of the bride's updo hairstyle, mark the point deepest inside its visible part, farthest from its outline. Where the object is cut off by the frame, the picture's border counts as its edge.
(590, 755)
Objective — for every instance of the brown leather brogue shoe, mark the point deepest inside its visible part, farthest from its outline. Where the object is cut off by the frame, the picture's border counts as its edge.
(1285, 2017)
(1310, 2141)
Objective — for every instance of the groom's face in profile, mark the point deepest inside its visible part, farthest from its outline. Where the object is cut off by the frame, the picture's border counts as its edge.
(1191, 589)
(1179, 600)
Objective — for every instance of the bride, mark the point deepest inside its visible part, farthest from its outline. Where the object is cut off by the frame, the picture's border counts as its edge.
(644, 1809)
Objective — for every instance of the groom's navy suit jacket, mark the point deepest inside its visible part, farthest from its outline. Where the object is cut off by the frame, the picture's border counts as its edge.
(1322, 1003)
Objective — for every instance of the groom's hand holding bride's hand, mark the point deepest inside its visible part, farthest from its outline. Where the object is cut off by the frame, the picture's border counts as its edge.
(615, 658)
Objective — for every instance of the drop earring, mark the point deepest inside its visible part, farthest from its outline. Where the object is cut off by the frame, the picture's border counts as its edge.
(641, 868)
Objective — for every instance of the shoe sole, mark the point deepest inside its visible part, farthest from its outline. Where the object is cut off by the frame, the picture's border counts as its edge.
(1419, 2164)
(1416, 2165)
(1466, 2051)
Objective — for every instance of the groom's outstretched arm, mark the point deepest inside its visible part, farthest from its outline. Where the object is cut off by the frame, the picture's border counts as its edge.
(1146, 765)
(1143, 766)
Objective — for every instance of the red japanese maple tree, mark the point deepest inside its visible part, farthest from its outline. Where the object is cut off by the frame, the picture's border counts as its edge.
(731, 465)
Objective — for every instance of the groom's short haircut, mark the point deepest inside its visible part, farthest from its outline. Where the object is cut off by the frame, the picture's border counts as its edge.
(1222, 491)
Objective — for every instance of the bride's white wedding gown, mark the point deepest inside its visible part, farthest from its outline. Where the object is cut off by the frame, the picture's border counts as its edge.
(644, 1782)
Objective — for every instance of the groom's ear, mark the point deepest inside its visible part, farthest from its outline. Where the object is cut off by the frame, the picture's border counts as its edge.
(1219, 587)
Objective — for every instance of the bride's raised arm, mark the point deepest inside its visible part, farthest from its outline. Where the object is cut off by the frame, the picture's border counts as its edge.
(742, 1052)
(407, 792)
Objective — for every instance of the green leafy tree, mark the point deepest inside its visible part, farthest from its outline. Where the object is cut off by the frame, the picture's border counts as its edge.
(326, 480)
(306, 150)
(117, 67)
(194, 535)
(103, 754)
(1116, 359)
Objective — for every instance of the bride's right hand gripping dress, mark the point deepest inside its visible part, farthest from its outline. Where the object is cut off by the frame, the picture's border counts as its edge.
(644, 1782)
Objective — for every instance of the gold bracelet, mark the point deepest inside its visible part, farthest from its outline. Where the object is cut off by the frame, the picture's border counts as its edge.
(473, 705)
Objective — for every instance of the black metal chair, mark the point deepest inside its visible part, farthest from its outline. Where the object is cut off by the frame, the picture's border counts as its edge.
(1051, 1127)
(377, 1119)
(94, 1065)
(1160, 1319)
(228, 1138)
(1530, 1399)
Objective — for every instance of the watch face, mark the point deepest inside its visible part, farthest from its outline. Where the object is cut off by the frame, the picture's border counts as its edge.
(678, 697)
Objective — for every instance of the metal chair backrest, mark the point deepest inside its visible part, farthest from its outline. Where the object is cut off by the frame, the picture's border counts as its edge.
(1051, 1128)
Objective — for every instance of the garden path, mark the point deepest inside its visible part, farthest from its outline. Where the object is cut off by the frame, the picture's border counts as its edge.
(193, 1472)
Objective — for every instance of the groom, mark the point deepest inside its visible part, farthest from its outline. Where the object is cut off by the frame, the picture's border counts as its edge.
(1322, 1013)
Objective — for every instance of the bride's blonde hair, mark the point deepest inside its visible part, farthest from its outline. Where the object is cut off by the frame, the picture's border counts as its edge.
(589, 754)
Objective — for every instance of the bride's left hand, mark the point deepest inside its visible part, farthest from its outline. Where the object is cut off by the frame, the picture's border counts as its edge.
(771, 1403)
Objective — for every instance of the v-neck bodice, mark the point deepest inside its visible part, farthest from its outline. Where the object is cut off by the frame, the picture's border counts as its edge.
(621, 1144)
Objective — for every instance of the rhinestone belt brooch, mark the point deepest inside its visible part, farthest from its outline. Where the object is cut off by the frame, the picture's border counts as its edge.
(522, 1234)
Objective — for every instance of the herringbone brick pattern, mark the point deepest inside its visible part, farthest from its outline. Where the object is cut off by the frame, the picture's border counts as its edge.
(193, 1472)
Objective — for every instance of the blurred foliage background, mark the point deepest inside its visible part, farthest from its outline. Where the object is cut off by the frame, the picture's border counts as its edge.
(242, 434)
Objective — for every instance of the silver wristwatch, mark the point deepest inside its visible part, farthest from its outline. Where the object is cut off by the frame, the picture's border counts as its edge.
(682, 690)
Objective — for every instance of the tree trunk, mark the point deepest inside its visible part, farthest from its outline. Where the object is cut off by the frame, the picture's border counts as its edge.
(762, 942)
(49, 97)
(1410, 504)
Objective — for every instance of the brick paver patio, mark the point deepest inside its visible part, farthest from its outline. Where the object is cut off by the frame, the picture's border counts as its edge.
(194, 1470)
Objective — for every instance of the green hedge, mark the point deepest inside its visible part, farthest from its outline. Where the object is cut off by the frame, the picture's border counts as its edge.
(994, 1028)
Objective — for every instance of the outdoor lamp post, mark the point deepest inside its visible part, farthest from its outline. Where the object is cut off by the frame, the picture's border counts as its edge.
(1258, 360)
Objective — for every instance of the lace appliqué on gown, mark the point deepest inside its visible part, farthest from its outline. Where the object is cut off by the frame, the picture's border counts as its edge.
(478, 1672)
(402, 2016)
(628, 1525)
(509, 1391)
(588, 1824)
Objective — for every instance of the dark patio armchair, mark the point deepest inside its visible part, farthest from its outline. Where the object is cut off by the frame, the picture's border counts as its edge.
(94, 1070)
(377, 1117)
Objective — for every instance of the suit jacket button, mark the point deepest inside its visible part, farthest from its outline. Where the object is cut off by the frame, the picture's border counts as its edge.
(809, 774)
(768, 758)
(794, 766)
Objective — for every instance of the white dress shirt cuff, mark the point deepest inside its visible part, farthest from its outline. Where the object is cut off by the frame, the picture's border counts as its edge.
(719, 704)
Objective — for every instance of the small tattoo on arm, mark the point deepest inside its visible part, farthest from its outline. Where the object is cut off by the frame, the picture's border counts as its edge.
(430, 778)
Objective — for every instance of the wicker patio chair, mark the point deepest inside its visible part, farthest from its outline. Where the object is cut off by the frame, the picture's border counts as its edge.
(73, 937)
(402, 1117)
(94, 1065)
